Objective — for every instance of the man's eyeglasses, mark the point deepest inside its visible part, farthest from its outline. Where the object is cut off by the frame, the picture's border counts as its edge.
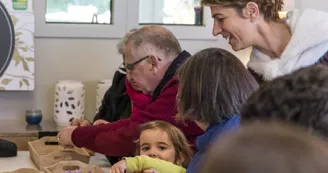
(129, 67)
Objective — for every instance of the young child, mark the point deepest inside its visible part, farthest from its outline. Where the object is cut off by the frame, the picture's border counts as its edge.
(161, 148)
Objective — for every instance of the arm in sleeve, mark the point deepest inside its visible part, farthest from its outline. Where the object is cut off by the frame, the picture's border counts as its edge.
(114, 139)
(117, 138)
(140, 163)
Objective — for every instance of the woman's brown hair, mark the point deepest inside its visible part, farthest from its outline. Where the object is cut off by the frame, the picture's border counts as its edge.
(213, 85)
(180, 142)
(267, 147)
(269, 8)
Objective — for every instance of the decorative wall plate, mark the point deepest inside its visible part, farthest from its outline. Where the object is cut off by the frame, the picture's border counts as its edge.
(7, 38)
(16, 45)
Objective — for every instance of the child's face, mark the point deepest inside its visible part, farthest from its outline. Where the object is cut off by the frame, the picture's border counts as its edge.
(157, 144)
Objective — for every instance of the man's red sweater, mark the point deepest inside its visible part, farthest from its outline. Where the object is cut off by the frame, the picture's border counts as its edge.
(118, 138)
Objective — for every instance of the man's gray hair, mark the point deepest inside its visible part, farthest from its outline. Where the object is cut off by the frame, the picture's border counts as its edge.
(121, 45)
(155, 38)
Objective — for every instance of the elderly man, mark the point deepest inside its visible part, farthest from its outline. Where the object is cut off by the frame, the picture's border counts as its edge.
(116, 103)
(153, 55)
(118, 99)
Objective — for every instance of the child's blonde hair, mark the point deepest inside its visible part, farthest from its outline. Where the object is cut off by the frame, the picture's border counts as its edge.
(179, 141)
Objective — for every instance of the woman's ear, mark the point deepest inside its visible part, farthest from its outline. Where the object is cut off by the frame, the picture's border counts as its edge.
(251, 11)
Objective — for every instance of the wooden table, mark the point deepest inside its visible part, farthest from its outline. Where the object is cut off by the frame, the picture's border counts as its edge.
(22, 160)
(20, 132)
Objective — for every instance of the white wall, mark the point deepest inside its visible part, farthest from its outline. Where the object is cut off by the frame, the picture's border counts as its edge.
(315, 4)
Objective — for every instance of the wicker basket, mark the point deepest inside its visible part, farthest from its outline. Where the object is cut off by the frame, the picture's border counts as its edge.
(46, 152)
(72, 166)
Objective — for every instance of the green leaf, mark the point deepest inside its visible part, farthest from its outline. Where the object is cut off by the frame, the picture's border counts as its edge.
(2, 88)
(6, 81)
(30, 59)
(26, 82)
(24, 49)
(14, 19)
(16, 57)
(18, 34)
(25, 65)
(20, 84)
(20, 42)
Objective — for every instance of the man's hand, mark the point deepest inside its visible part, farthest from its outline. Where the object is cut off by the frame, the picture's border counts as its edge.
(118, 167)
(80, 122)
(65, 136)
(100, 122)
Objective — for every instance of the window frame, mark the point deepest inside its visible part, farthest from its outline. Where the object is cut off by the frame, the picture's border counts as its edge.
(182, 32)
(124, 18)
(72, 30)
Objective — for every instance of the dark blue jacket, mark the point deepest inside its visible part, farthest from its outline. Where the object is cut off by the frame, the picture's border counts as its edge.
(203, 141)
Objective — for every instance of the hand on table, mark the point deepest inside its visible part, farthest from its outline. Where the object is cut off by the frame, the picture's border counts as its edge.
(65, 136)
(100, 122)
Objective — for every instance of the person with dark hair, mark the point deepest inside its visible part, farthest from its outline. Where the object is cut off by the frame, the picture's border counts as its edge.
(152, 56)
(279, 46)
(299, 98)
(213, 84)
(267, 148)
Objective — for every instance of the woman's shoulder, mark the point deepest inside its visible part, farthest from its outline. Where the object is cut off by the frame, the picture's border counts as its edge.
(219, 128)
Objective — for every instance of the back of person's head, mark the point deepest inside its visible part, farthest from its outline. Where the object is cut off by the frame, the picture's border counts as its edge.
(213, 84)
(180, 142)
(154, 39)
(300, 98)
(121, 45)
(267, 148)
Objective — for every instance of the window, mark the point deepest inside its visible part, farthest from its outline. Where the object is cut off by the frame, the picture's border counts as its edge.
(171, 12)
(185, 18)
(80, 18)
(78, 11)
(113, 18)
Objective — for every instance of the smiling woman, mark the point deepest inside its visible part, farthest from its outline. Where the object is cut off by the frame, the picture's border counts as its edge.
(280, 46)
(7, 41)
